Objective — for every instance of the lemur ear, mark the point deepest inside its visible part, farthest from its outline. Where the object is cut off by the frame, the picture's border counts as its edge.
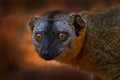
(33, 21)
(77, 22)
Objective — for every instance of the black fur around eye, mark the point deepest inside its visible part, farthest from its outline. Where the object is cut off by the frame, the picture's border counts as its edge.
(39, 36)
(62, 36)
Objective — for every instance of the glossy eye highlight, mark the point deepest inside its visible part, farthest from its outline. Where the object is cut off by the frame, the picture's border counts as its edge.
(62, 36)
(39, 36)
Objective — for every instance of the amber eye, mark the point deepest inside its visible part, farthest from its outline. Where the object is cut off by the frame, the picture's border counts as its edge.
(39, 37)
(62, 36)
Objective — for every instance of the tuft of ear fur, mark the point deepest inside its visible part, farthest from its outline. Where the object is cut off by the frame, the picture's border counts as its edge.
(32, 22)
(77, 22)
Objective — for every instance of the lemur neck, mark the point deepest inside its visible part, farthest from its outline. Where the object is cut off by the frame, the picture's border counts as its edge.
(72, 57)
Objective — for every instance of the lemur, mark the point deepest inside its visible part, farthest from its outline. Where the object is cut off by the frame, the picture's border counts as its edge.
(85, 40)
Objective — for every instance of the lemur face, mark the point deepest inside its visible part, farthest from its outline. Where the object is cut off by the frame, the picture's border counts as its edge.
(51, 38)
(52, 34)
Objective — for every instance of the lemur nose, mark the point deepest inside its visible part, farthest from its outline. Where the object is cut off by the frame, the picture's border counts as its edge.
(45, 53)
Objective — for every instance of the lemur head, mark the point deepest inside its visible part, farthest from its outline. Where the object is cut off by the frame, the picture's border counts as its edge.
(54, 31)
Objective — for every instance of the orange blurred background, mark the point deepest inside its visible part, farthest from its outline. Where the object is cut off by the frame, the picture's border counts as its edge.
(18, 60)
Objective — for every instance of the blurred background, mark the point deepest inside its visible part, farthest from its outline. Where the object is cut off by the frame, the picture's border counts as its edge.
(18, 60)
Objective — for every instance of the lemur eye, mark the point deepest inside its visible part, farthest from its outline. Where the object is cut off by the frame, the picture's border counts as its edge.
(39, 37)
(62, 36)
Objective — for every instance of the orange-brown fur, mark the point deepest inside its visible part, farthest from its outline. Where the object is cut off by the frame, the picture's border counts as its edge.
(98, 48)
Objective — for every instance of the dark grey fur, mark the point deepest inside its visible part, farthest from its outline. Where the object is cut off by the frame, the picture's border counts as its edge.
(102, 44)
(50, 24)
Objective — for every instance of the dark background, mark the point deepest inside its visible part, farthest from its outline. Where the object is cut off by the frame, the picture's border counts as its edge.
(18, 60)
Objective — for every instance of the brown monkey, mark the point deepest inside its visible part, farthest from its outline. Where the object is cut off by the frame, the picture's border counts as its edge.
(89, 40)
